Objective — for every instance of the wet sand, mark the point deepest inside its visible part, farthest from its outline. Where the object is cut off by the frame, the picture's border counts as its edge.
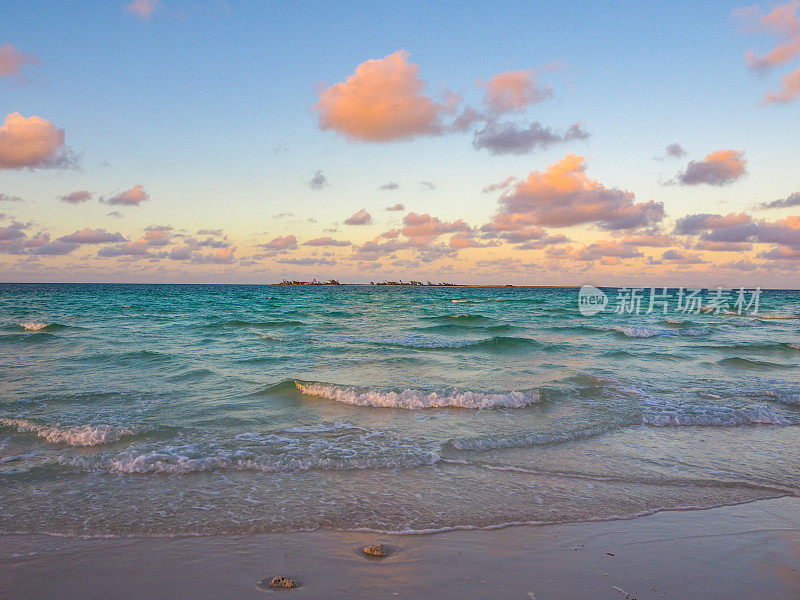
(737, 552)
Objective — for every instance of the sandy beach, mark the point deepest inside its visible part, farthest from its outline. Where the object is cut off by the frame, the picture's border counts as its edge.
(736, 552)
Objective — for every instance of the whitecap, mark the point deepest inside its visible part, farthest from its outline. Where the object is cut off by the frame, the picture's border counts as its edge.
(411, 399)
(78, 435)
(647, 332)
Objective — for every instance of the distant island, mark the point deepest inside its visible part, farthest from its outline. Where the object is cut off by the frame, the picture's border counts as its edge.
(396, 283)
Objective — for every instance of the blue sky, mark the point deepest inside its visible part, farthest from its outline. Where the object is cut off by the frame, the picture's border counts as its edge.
(193, 101)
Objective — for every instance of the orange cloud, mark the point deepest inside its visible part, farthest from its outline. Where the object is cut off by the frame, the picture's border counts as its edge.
(783, 22)
(718, 168)
(422, 229)
(789, 90)
(563, 195)
(382, 101)
(132, 197)
(12, 60)
(30, 142)
(362, 217)
(513, 91)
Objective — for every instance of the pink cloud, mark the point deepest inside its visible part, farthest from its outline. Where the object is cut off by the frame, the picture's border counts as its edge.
(684, 258)
(464, 240)
(12, 60)
(606, 249)
(396, 207)
(92, 236)
(282, 242)
(76, 197)
(422, 229)
(789, 90)
(31, 142)
(224, 256)
(326, 241)
(382, 101)
(362, 217)
(132, 197)
(718, 168)
(512, 91)
(157, 235)
(783, 22)
(563, 195)
(143, 9)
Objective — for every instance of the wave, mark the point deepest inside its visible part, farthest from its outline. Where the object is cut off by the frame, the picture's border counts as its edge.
(711, 415)
(526, 439)
(124, 357)
(756, 347)
(177, 464)
(34, 336)
(458, 318)
(236, 323)
(325, 446)
(431, 342)
(78, 435)
(193, 375)
(749, 363)
(679, 322)
(648, 332)
(656, 355)
(411, 399)
(35, 326)
(466, 328)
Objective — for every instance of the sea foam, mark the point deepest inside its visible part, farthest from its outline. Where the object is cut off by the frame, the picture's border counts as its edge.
(710, 415)
(647, 332)
(411, 399)
(78, 435)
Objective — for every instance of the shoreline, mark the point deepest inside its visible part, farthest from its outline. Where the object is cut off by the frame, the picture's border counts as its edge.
(393, 533)
(736, 551)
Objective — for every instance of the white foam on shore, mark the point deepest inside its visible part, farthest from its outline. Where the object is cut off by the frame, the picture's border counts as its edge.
(410, 399)
(78, 435)
(177, 462)
(713, 416)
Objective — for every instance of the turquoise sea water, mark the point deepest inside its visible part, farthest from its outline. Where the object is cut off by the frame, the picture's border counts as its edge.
(161, 410)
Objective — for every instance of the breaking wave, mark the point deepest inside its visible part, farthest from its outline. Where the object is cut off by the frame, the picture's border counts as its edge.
(411, 399)
(77, 435)
(648, 332)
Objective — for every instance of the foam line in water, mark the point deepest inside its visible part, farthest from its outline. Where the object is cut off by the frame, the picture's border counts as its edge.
(711, 415)
(647, 332)
(78, 435)
(411, 399)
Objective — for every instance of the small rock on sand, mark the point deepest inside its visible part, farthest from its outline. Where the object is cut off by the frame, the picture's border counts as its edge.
(376, 550)
(278, 582)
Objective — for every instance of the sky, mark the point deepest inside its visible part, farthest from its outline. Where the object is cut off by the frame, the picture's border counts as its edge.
(548, 143)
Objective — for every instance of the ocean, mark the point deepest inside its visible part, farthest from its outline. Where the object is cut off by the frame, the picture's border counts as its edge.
(163, 410)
